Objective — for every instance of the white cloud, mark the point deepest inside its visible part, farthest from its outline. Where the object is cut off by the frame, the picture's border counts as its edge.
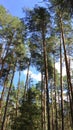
(57, 64)
(36, 76)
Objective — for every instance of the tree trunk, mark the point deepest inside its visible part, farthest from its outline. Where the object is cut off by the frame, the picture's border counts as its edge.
(4, 117)
(27, 81)
(46, 79)
(61, 85)
(42, 103)
(3, 60)
(56, 122)
(52, 107)
(45, 107)
(18, 91)
(70, 88)
(2, 94)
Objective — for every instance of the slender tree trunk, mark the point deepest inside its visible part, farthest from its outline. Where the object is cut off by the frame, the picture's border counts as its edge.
(52, 107)
(68, 114)
(1, 50)
(70, 88)
(3, 90)
(18, 91)
(59, 98)
(61, 85)
(4, 117)
(45, 109)
(42, 103)
(27, 81)
(0, 112)
(3, 60)
(46, 79)
(56, 122)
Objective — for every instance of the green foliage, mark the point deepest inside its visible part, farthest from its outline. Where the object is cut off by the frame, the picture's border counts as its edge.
(12, 34)
(37, 18)
(25, 111)
(29, 117)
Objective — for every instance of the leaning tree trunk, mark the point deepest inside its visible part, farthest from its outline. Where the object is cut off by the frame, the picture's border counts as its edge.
(61, 85)
(5, 111)
(3, 60)
(70, 88)
(46, 78)
(3, 90)
(2, 96)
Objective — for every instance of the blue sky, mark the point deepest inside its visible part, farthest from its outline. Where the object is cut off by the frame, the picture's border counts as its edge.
(33, 73)
(15, 6)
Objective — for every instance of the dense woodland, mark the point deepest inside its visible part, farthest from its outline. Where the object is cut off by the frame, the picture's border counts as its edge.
(41, 39)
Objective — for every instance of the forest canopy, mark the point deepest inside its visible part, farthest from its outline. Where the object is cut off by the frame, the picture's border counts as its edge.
(41, 40)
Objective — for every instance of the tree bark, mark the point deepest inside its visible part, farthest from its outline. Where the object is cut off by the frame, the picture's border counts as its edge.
(18, 91)
(42, 103)
(52, 107)
(46, 78)
(61, 86)
(45, 107)
(56, 122)
(5, 112)
(3, 60)
(27, 81)
(70, 88)
(2, 94)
